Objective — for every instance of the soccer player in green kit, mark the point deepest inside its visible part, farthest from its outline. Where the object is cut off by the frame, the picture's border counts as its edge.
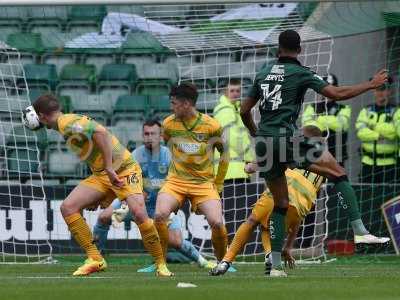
(280, 89)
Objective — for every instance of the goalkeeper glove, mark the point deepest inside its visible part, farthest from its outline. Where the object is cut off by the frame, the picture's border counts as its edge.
(119, 215)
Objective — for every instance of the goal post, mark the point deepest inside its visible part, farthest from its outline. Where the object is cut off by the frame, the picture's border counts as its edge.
(154, 46)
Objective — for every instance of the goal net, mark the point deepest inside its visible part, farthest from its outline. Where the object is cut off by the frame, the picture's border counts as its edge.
(116, 63)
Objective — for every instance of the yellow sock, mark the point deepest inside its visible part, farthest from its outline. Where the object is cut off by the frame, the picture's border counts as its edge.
(266, 240)
(82, 235)
(151, 241)
(242, 235)
(219, 239)
(162, 229)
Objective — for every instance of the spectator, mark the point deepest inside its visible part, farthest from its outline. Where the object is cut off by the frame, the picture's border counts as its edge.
(376, 129)
(333, 120)
(227, 112)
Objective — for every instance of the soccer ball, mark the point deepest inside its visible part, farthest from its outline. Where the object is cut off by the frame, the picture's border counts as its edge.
(30, 119)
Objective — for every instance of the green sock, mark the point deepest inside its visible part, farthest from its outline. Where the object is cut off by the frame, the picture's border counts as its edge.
(348, 199)
(277, 231)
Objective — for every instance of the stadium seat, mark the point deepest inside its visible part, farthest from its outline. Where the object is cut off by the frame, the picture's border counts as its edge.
(22, 163)
(11, 107)
(99, 57)
(85, 18)
(41, 75)
(29, 45)
(141, 43)
(130, 107)
(160, 106)
(126, 9)
(128, 130)
(206, 102)
(26, 42)
(96, 106)
(46, 19)
(77, 80)
(55, 57)
(22, 153)
(121, 77)
(156, 79)
(12, 17)
(62, 164)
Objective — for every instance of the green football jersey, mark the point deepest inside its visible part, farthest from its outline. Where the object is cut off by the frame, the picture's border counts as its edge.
(280, 88)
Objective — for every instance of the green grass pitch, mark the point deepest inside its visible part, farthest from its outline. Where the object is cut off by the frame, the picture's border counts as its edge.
(347, 278)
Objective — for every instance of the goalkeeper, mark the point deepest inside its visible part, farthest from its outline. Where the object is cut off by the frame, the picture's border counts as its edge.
(154, 161)
(115, 174)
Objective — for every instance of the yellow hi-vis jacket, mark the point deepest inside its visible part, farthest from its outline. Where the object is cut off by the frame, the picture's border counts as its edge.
(338, 121)
(376, 128)
(237, 138)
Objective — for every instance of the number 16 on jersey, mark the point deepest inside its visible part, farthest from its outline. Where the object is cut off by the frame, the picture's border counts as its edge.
(271, 94)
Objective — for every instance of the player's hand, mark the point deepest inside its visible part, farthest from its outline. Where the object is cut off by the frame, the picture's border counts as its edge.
(288, 258)
(250, 168)
(114, 179)
(379, 78)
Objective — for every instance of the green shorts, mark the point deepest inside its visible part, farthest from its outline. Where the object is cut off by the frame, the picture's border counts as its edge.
(275, 154)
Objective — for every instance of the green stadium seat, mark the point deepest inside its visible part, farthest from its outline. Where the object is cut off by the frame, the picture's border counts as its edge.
(66, 104)
(41, 75)
(141, 43)
(160, 103)
(77, 80)
(206, 102)
(85, 18)
(127, 9)
(12, 16)
(47, 17)
(62, 164)
(117, 76)
(128, 131)
(22, 163)
(98, 107)
(26, 42)
(130, 107)
(156, 79)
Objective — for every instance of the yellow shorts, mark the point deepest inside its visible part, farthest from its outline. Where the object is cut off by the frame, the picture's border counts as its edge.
(196, 193)
(264, 208)
(133, 184)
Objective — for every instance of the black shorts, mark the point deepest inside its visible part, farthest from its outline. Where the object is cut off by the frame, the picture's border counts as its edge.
(276, 154)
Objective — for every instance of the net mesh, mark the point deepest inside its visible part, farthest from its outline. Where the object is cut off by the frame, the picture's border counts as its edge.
(117, 63)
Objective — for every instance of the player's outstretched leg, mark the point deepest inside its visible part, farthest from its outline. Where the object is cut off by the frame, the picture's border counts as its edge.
(79, 198)
(184, 246)
(269, 269)
(327, 166)
(240, 239)
(148, 231)
(100, 230)
(212, 210)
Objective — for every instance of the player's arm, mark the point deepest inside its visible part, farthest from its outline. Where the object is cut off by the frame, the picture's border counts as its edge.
(291, 237)
(245, 113)
(339, 93)
(102, 140)
(223, 163)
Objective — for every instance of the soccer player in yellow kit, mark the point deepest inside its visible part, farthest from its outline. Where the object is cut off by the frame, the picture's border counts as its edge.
(192, 137)
(114, 175)
(303, 187)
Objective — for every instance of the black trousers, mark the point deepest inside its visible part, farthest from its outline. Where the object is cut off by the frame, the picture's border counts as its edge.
(379, 174)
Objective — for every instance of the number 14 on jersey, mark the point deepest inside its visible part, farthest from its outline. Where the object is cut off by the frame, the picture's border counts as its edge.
(271, 93)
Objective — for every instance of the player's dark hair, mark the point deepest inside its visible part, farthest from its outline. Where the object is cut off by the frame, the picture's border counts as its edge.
(289, 40)
(185, 91)
(46, 104)
(152, 122)
(234, 81)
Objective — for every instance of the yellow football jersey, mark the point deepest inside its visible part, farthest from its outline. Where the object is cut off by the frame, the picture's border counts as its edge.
(303, 187)
(192, 146)
(78, 130)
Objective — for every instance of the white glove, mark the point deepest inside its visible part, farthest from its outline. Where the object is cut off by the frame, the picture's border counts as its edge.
(118, 216)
